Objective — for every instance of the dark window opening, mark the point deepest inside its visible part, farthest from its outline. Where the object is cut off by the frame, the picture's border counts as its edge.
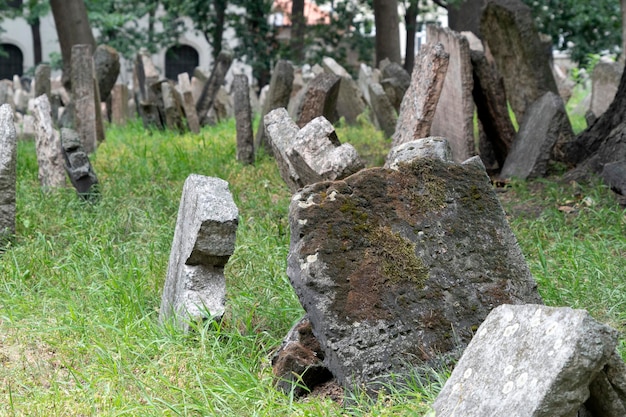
(11, 61)
(179, 59)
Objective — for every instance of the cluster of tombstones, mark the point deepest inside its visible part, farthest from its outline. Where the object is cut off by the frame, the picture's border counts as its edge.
(401, 268)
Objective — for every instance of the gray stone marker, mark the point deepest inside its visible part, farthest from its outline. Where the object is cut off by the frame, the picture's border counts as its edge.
(77, 165)
(173, 113)
(319, 99)
(367, 75)
(84, 96)
(6, 93)
(213, 84)
(420, 100)
(184, 86)
(119, 104)
(42, 80)
(144, 76)
(544, 126)
(278, 95)
(395, 81)
(397, 268)
(604, 82)
(454, 115)
(528, 360)
(204, 239)
(8, 174)
(281, 131)
(614, 175)
(431, 147)
(508, 29)
(107, 69)
(350, 104)
(243, 119)
(385, 117)
(48, 146)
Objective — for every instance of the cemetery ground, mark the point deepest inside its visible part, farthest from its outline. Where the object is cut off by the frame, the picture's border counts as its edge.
(80, 288)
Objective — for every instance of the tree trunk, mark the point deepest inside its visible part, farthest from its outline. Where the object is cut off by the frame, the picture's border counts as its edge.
(70, 19)
(34, 29)
(410, 20)
(218, 34)
(387, 30)
(623, 7)
(298, 26)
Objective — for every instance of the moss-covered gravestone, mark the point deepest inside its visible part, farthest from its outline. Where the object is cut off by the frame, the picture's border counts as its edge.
(398, 268)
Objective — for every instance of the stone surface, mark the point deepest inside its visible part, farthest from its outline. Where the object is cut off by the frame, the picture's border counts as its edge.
(281, 131)
(107, 68)
(119, 104)
(42, 80)
(367, 75)
(508, 29)
(528, 360)
(432, 147)
(84, 97)
(48, 146)
(204, 239)
(420, 100)
(545, 125)
(614, 175)
(191, 115)
(213, 84)
(8, 174)
(397, 268)
(350, 104)
(77, 165)
(385, 117)
(243, 119)
(145, 74)
(319, 99)
(6, 93)
(395, 80)
(608, 390)
(172, 108)
(604, 82)
(454, 115)
(298, 363)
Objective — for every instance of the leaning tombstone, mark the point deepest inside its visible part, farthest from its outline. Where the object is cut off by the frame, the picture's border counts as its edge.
(171, 107)
(385, 117)
(119, 104)
(350, 104)
(78, 167)
(604, 82)
(8, 175)
(189, 108)
(243, 119)
(42, 80)
(212, 86)
(280, 131)
(395, 80)
(84, 97)
(204, 239)
(144, 75)
(107, 69)
(397, 268)
(508, 29)
(320, 99)
(530, 360)
(454, 115)
(48, 146)
(278, 95)
(420, 100)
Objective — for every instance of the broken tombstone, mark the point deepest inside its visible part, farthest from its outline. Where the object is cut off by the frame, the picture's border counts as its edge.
(77, 165)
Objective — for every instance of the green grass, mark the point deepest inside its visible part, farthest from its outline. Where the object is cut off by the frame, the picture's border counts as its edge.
(80, 288)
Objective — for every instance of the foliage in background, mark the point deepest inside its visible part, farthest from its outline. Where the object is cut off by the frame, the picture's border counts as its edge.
(580, 27)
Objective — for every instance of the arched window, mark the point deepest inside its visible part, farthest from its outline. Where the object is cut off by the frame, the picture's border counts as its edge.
(179, 59)
(11, 61)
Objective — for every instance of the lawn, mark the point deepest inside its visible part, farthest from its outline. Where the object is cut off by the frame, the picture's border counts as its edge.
(80, 288)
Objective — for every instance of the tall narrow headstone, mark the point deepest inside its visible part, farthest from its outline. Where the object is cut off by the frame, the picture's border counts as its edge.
(278, 96)
(48, 146)
(107, 69)
(243, 119)
(42, 80)
(420, 100)
(320, 99)
(119, 104)
(204, 239)
(384, 113)
(605, 79)
(145, 74)
(184, 86)
(209, 92)
(350, 104)
(171, 107)
(281, 131)
(84, 96)
(508, 29)
(8, 174)
(454, 116)
(77, 165)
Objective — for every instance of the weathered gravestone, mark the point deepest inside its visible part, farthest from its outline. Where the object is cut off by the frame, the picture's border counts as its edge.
(397, 268)
(213, 84)
(542, 129)
(172, 110)
(86, 99)
(367, 75)
(311, 154)
(420, 100)
(454, 115)
(350, 104)
(145, 74)
(278, 95)
(529, 360)
(8, 174)
(319, 99)
(604, 82)
(77, 165)
(184, 86)
(508, 29)
(614, 175)
(384, 112)
(48, 146)
(395, 80)
(243, 119)
(204, 239)
(119, 104)
(42, 80)
(431, 147)
(107, 69)
(6, 93)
